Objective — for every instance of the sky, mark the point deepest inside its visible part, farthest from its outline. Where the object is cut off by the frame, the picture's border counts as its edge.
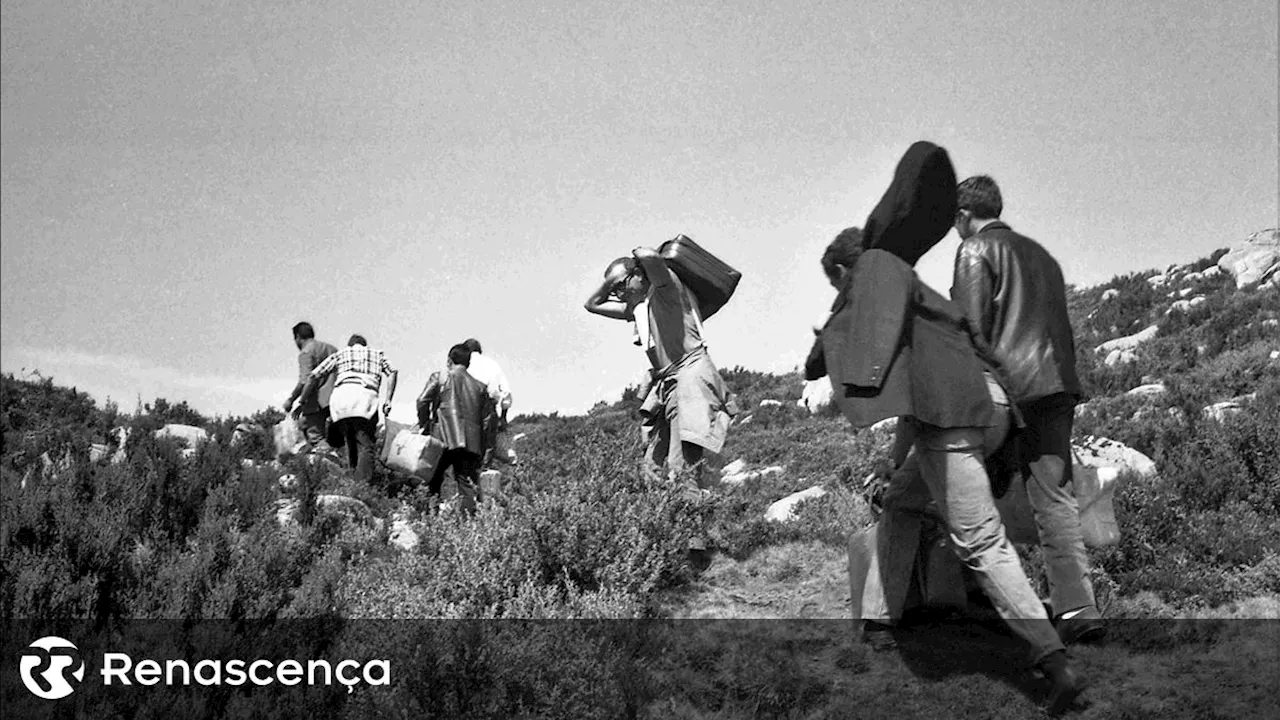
(182, 181)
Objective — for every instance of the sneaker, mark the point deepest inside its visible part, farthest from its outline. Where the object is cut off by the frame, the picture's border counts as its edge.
(1083, 627)
(878, 635)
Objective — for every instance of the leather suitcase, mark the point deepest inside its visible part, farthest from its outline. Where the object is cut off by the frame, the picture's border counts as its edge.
(710, 279)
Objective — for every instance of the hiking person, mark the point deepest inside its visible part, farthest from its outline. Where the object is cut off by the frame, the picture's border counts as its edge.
(687, 409)
(1012, 292)
(895, 348)
(313, 419)
(484, 369)
(364, 383)
(458, 410)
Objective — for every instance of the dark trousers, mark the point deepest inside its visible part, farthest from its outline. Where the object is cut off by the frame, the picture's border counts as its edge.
(466, 472)
(357, 433)
(313, 426)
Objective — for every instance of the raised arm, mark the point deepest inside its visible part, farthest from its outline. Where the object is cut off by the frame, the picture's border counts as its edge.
(605, 302)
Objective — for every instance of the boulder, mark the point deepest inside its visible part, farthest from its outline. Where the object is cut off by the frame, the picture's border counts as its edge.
(1120, 357)
(784, 509)
(734, 467)
(287, 439)
(1129, 342)
(1100, 452)
(1185, 292)
(1185, 306)
(816, 395)
(1220, 411)
(519, 436)
(403, 535)
(1158, 280)
(1255, 260)
(742, 476)
(770, 403)
(490, 483)
(190, 434)
(887, 425)
(1150, 390)
(1109, 293)
(287, 510)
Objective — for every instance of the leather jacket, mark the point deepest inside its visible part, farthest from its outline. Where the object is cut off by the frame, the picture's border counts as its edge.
(1011, 290)
(457, 410)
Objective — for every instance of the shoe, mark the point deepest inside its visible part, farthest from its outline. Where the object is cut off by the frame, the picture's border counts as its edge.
(1085, 627)
(878, 635)
(1067, 686)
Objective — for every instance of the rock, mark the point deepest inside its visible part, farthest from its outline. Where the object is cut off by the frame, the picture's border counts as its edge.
(287, 512)
(403, 535)
(1184, 306)
(887, 425)
(1185, 292)
(288, 481)
(1270, 323)
(490, 483)
(1158, 280)
(1193, 277)
(1151, 390)
(98, 451)
(734, 467)
(1275, 355)
(1100, 452)
(816, 395)
(1109, 293)
(1218, 412)
(519, 436)
(784, 509)
(190, 434)
(745, 420)
(770, 403)
(1120, 357)
(1211, 272)
(287, 439)
(740, 477)
(1255, 259)
(1130, 342)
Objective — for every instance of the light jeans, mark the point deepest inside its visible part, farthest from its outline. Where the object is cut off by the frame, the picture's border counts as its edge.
(947, 467)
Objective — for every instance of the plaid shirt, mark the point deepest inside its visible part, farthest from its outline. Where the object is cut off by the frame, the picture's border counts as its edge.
(371, 365)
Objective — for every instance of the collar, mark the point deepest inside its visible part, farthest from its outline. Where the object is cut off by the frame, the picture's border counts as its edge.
(994, 225)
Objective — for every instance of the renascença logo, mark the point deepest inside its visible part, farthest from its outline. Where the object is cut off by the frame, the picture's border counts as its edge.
(48, 664)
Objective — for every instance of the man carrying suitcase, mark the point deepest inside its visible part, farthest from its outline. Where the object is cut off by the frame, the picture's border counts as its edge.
(687, 409)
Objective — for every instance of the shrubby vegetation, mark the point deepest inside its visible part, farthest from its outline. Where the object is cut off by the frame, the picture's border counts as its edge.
(582, 533)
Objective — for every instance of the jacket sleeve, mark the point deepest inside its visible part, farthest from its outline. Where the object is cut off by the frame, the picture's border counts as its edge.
(972, 289)
(815, 366)
(427, 400)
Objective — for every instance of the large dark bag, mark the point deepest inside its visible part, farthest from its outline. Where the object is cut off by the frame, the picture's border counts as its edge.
(707, 276)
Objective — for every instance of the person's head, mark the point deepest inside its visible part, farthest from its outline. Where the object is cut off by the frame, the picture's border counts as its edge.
(302, 332)
(472, 344)
(841, 255)
(357, 340)
(627, 278)
(979, 203)
(460, 354)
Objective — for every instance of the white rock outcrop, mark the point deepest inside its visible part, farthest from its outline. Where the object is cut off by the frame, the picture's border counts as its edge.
(1100, 452)
(190, 434)
(1120, 357)
(784, 509)
(770, 402)
(816, 395)
(1129, 342)
(1184, 306)
(1149, 390)
(1255, 260)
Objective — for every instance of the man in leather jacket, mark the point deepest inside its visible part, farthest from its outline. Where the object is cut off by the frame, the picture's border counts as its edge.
(1012, 292)
(458, 410)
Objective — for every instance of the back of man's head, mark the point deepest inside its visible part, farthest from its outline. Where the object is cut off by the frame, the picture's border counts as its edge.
(981, 196)
(843, 251)
(357, 340)
(304, 331)
(460, 354)
(472, 344)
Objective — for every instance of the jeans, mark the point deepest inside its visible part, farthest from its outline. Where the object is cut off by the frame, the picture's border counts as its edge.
(947, 467)
(1046, 441)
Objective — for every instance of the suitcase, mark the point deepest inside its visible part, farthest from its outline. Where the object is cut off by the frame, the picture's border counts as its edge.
(415, 454)
(707, 276)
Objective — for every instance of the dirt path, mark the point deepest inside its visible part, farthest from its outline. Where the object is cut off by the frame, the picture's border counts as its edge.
(1222, 666)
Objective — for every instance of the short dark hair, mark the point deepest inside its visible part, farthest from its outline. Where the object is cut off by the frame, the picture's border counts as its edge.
(357, 340)
(981, 196)
(460, 354)
(844, 250)
(473, 345)
(304, 330)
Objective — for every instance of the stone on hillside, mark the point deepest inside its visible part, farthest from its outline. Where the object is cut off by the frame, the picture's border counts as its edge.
(1271, 322)
(1158, 280)
(1120, 357)
(287, 511)
(1150, 390)
(1211, 272)
(519, 436)
(190, 434)
(770, 402)
(1193, 277)
(740, 477)
(288, 481)
(1109, 293)
(1220, 411)
(887, 425)
(98, 451)
(1185, 292)
(1129, 342)
(816, 396)
(1255, 259)
(403, 535)
(1275, 355)
(734, 467)
(490, 483)
(784, 510)
(1185, 306)
(1102, 452)
(287, 439)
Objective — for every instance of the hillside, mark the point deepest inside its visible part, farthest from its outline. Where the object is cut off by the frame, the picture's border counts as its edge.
(222, 534)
